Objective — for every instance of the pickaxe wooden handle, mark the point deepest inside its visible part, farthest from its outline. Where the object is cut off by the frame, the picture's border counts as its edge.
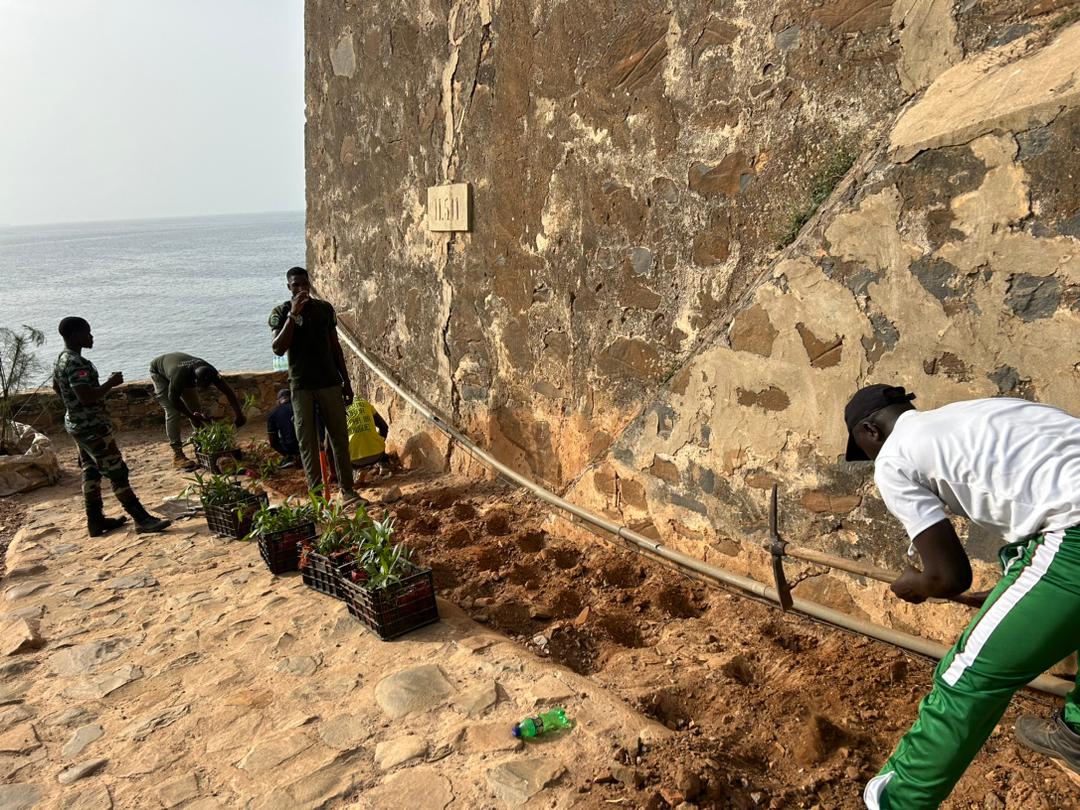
(781, 548)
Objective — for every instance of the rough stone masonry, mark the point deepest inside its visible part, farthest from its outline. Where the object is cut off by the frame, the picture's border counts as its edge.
(698, 228)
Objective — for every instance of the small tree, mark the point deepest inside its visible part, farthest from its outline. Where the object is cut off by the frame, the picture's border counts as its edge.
(18, 363)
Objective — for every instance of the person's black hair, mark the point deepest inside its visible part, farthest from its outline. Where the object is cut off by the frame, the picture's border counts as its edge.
(72, 325)
(206, 373)
(296, 271)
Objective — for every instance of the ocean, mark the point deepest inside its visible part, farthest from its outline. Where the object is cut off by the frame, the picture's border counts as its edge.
(201, 285)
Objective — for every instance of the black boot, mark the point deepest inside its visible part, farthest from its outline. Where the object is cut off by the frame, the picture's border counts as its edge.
(1052, 737)
(145, 523)
(96, 522)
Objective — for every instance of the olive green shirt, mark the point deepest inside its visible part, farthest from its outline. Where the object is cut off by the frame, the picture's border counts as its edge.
(311, 355)
(72, 370)
(178, 369)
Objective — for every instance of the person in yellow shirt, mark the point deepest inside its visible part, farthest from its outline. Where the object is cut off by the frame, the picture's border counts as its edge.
(367, 434)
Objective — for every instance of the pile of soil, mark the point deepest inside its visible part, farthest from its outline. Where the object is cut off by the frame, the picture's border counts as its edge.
(771, 709)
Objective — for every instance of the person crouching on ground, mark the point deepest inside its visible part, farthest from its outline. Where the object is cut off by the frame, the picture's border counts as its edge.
(305, 328)
(367, 434)
(177, 379)
(1011, 467)
(75, 380)
(281, 432)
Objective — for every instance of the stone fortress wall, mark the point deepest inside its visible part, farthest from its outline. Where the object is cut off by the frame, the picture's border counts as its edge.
(696, 230)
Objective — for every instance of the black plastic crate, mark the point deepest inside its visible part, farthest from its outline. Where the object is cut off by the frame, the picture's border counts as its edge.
(212, 461)
(393, 611)
(224, 520)
(281, 550)
(320, 573)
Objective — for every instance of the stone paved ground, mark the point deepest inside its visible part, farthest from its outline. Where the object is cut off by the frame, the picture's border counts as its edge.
(175, 671)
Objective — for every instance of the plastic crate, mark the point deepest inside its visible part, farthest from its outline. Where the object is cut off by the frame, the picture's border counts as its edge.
(281, 550)
(320, 573)
(393, 611)
(212, 461)
(222, 518)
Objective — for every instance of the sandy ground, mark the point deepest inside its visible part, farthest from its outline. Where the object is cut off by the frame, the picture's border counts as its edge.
(176, 671)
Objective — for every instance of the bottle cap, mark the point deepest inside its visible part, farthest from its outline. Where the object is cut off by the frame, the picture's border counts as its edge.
(516, 730)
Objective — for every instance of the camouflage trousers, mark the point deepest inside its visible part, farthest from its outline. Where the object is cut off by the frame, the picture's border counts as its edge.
(99, 456)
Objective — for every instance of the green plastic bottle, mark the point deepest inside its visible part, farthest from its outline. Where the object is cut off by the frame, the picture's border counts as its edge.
(544, 724)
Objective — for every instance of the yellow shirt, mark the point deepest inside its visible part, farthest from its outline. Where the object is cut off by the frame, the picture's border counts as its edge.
(365, 443)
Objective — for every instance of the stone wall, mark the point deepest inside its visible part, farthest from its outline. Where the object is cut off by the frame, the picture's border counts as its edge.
(651, 312)
(133, 405)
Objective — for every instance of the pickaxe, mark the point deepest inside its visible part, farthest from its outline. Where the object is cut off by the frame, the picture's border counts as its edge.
(780, 548)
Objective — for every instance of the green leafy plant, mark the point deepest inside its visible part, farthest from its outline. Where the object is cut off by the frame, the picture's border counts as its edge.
(18, 362)
(821, 186)
(340, 530)
(214, 437)
(384, 563)
(215, 489)
(289, 515)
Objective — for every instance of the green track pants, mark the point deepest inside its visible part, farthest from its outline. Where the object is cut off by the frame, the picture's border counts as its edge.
(1030, 622)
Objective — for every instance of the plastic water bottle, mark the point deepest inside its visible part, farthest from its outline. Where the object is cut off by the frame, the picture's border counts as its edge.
(544, 724)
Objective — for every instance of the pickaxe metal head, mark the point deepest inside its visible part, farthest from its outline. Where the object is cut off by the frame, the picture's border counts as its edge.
(776, 547)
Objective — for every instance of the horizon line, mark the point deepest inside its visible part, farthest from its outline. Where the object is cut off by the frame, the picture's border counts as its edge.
(12, 226)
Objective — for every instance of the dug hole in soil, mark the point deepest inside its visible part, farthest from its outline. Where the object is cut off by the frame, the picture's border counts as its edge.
(769, 709)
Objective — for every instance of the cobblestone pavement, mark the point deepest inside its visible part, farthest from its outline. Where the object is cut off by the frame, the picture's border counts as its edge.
(174, 670)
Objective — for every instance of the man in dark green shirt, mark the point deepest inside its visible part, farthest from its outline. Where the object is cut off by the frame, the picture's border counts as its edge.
(306, 329)
(75, 380)
(177, 378)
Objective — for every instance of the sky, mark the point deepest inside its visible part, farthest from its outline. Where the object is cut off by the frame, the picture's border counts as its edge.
(131, 109)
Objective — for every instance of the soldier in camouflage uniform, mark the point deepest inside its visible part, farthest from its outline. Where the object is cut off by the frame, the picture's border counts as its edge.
(75, 379)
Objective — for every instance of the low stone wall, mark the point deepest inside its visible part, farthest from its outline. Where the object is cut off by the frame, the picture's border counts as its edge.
(133, 405)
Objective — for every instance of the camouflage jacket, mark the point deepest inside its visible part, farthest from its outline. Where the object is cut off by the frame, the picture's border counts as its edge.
(71, 370)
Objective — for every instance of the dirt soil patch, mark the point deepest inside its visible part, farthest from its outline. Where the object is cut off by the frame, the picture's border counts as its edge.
(771, 709)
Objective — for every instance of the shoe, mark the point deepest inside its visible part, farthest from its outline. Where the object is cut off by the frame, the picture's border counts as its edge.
(350, 497)
(151, 525)
(182, 462)
(98, 526)
(1053, 738)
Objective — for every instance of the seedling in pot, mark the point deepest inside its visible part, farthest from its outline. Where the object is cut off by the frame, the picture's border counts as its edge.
(269, 519)
(215, 489)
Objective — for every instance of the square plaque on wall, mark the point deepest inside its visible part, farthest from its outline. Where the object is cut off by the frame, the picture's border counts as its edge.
(448, 207)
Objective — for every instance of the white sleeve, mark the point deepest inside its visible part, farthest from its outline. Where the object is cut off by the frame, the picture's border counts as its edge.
(912, 503)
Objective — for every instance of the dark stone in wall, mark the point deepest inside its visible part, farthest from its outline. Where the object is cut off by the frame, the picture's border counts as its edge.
(950, 365)
(821, 353)
(886, 336)
(769, 399)
(1051, 157)
(955, 170)
(856, 277)
(752, 331)
(1033, 297)
(937, 276)
(1010, 383)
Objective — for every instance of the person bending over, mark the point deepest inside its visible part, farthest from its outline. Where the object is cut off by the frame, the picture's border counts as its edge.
(1011, 467)
(177, 379)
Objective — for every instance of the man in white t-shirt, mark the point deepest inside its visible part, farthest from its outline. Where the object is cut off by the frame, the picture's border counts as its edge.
(1013, 468)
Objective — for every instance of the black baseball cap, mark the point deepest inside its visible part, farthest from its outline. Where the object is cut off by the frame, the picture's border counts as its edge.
(866, 402)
